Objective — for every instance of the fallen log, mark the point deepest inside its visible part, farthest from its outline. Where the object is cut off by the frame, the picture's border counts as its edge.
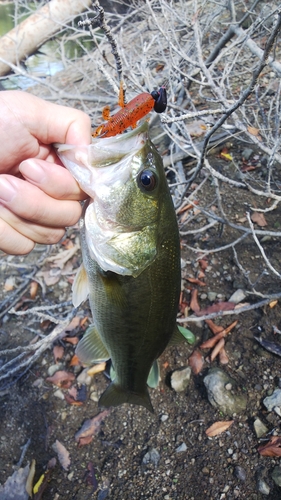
(28, 36)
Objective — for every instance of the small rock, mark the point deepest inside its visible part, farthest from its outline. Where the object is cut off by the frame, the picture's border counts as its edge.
(240, 473)
(274, 401)
(39, 382)
(103, 494)
(246, 153)
(263, 487)
(182, 447)
(260, 428)
(84, 378)
(164, 418)
(205, 471)
(54, 368)
(152, 456)
(94, 396)
(70, 475)
(228, 402)
(261, 475)
(59, 394)
(276, 475)
(203, 296)
(237, 296)
(212, 296)
(180, 379)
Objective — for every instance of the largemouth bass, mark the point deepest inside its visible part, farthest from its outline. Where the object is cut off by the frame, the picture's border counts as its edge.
(131, 260)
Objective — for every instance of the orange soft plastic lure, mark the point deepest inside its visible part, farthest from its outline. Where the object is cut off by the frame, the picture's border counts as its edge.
(132, 112)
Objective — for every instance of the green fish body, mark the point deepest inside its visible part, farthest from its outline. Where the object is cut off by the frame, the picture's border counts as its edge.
(131, 260)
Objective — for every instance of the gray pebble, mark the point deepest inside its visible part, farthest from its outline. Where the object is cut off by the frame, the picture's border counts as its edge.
(240, 473)
(276, 475)
(262, 487)
(182, 447)
(54, 368)
(212, 296)
(84, 378)
(237, 296)
(152, 456)
(273, 401)
(228, 402)
(103, 494)
(260, 428)
(180, 379)
(246, 153)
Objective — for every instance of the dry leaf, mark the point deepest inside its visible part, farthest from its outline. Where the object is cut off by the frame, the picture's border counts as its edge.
(203, 264)
(196, 128)
(226, 156)
(71, 340)
(194, 304)
(76, 397)
(90, 427)
(62, 379)
(196, 281)
(63, 454)
(217, 349)
(74, 361)
(97, 369)
(218, 428)
(253, 131)
(51, 277)
(272, 448)
(213, 340)
(223, 357)
(196, 361)
(259, 219)
(74, 323)
(58, 352)
(218, 307)
(9, 283)
(213, 327)
(33, 289)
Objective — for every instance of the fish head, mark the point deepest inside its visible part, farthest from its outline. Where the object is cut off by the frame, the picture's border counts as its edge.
(123, 177)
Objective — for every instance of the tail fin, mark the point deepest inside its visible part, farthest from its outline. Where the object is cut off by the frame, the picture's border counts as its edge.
(114, 395)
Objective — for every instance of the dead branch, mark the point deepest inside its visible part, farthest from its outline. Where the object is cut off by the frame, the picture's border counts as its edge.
(29, 35)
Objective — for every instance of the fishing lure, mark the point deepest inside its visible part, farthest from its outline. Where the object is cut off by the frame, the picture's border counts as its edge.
(132, 112)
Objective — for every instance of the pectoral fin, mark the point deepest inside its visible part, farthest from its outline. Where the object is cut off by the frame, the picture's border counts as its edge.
(80, 287)
(91, 348)
(180, 334)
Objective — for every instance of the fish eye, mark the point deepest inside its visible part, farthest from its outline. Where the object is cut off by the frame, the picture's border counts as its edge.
(147, 180)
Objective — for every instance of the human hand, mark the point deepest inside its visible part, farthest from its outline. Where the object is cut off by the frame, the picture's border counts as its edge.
(38, 196)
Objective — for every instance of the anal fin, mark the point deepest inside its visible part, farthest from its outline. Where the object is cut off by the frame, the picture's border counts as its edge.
(91, 349)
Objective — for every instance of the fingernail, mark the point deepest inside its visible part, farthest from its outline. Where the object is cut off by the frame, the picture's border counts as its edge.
(32, 171)
(7, 190)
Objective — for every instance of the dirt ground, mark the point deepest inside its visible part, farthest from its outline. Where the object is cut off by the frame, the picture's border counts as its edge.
(227, 466)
